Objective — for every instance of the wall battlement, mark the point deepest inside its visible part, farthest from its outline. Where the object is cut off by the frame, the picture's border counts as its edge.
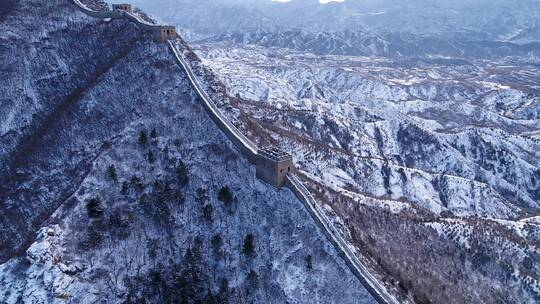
(123, 7)
(274, 154)
(273, 165)
(164, 33)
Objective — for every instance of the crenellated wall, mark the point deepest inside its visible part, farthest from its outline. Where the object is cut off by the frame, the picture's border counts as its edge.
(333, 235)
(244, 144)
(124, 7)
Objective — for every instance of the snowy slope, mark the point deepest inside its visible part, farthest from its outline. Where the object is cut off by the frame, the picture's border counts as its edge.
(426, 164)
(430, 134)
(153, 232)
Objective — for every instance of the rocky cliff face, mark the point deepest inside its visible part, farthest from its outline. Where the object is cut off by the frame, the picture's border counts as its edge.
(116, 187)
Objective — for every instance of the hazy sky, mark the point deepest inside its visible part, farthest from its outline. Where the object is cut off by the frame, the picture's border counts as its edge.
(321, 1)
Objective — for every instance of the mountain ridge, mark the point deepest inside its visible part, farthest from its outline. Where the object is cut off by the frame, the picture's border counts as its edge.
(158, 210)
(476, 20)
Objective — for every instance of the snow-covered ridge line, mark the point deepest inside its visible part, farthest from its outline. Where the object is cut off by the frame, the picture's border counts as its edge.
(251, 152)
(97, 14)
(116, 14)
(378, 291)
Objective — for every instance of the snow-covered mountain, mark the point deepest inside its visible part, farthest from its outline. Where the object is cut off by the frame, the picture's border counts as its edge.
(443, 122)
(394, 45)
(93, 211)
(443, 151)
(477, 20)
(412, 28)
(116, 187)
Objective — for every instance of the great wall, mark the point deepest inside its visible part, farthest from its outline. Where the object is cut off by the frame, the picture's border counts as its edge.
(273, 165)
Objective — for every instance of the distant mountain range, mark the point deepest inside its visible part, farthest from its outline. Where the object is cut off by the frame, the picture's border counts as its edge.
(391, 45)
(363, 27)
(492, 20)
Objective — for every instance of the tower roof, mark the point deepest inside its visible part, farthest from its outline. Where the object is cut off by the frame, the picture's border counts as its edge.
(275, 154)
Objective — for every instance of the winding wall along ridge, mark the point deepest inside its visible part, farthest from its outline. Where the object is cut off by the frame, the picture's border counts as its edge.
(97, 14)
(115, 14)
(296, 186)
(355, 265)
(250, 150)
(247, 147)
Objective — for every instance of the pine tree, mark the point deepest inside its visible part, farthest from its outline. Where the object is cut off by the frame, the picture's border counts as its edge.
(111, 171)
(151, 157)
(143, 139)
(249, 247)
(225, 195)
(309, 262)
(153, 133)
(94, 207)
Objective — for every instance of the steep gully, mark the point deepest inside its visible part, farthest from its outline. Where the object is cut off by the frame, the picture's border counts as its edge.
(36, 140)
(251, 152)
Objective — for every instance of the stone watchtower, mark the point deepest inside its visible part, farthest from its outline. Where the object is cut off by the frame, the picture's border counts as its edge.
(163, 33)
(123, 7)
(273, 165)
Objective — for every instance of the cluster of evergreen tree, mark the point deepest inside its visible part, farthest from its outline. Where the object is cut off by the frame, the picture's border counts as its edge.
(186, 282)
